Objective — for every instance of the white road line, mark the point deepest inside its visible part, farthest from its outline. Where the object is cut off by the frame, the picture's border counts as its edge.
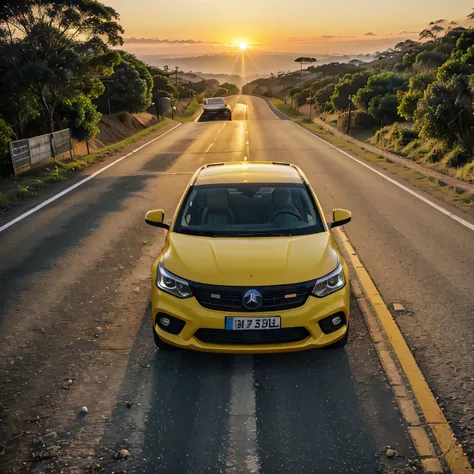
(210, 146)
(462, 221)
(80, 183)
(243, 455)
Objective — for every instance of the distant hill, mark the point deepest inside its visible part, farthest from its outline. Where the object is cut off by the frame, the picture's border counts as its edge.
(232, 78)
(248, 66)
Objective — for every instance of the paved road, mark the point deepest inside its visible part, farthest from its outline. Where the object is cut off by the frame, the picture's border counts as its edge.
(74, 283)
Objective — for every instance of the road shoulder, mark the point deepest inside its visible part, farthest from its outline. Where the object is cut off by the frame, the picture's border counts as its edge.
(461, 196)
(428, 428)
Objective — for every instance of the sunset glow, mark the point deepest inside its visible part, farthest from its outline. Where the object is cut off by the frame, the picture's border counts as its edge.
(243, 46)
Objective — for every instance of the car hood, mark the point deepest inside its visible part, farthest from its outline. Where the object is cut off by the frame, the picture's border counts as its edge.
(255, 261)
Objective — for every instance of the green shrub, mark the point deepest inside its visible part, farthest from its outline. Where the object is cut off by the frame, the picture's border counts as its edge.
(394, 137)
(436, 154)
(6, 136)
(359, 121)
(466, 172)
(458, 157)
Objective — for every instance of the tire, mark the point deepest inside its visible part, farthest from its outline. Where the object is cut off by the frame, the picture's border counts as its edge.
(340, 343)
(162, 345)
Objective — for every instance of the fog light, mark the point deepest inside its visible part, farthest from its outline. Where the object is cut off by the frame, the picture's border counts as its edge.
(169, 323)
(336, 321)
(166, 321)
(332, 323)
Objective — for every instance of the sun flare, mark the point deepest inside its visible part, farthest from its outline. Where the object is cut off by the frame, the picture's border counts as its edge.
(242, 46)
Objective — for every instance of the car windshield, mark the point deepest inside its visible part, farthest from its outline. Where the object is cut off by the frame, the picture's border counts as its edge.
(247, 210)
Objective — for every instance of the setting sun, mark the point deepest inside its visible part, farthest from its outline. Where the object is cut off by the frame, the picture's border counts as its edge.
(243, 46)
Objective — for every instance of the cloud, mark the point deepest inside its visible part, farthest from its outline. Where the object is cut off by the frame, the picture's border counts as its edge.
(370, 34)
(134, 40)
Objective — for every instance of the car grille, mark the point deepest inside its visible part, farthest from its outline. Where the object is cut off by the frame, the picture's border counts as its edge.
(266, 336)
(230, 298)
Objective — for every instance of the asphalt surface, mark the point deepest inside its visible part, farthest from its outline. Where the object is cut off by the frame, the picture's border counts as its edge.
(74, 281)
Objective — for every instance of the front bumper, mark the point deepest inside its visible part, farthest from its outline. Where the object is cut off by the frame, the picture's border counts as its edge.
(196, 317)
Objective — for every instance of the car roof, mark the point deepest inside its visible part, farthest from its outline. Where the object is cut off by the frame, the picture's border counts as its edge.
(248, 172)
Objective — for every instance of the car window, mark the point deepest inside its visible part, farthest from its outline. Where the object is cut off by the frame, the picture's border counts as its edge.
(249, 210)
(215, 101)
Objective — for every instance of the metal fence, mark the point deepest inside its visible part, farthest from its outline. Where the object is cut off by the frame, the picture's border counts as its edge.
(32, 151)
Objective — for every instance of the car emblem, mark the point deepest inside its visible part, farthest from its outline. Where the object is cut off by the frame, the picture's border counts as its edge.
(252, 299)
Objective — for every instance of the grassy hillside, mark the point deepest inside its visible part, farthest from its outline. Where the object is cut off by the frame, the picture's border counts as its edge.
(415, 99)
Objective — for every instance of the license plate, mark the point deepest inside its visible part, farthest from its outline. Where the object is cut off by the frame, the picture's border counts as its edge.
(249, 324)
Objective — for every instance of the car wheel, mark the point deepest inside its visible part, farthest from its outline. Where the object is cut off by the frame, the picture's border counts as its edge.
(340, 343)
(162, 345)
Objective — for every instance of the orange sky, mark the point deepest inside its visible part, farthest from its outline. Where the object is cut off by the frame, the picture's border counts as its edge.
(317, 26)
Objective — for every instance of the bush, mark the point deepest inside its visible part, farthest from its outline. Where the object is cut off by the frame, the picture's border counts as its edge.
(436, 154)
(6, 136)
(359, 121)
(458, 157)
(467, 172)
(394, 137)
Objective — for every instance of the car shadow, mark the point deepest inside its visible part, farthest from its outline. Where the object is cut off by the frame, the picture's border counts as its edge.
(319, 411)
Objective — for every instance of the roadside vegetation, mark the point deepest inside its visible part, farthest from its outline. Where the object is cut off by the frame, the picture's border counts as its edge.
(60, 67)
(455, 195)
(30, 182)
(415, 100)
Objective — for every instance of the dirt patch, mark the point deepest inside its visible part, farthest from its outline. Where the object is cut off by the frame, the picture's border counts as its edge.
(117, 127)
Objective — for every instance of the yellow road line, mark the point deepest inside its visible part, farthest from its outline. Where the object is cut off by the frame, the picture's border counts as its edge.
(451, 449)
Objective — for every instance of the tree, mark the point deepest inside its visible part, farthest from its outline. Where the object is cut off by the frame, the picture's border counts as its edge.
(128, 91)
(232, 88)
(436, 30)
(163, 83)
(445, 112)
(304, 60)
(6, 136)
(384, 108)
(348, 85)
(144, 74)
(80, 115)
(427, 34)
(430, 59)
(323, 96)
(18, 104)
(41, 39)
(379, 96)
(408, 102)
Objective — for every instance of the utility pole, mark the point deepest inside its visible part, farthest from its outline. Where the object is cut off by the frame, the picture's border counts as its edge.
(311, 106)
(176, 69)
(348, 128)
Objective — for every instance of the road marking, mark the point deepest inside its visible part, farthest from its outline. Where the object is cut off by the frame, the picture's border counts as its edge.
(396, 183)
(80, 183)
(209, 147)
(435, 419)
(243, 455)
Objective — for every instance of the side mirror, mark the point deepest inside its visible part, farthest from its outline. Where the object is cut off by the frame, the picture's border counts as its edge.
(156, 218)
(340, 217)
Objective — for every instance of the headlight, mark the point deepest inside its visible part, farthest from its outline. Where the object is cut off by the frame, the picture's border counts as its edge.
(172, 284)
(330, 283)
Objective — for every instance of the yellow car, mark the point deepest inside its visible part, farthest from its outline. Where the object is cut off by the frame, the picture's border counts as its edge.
(249, 264)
